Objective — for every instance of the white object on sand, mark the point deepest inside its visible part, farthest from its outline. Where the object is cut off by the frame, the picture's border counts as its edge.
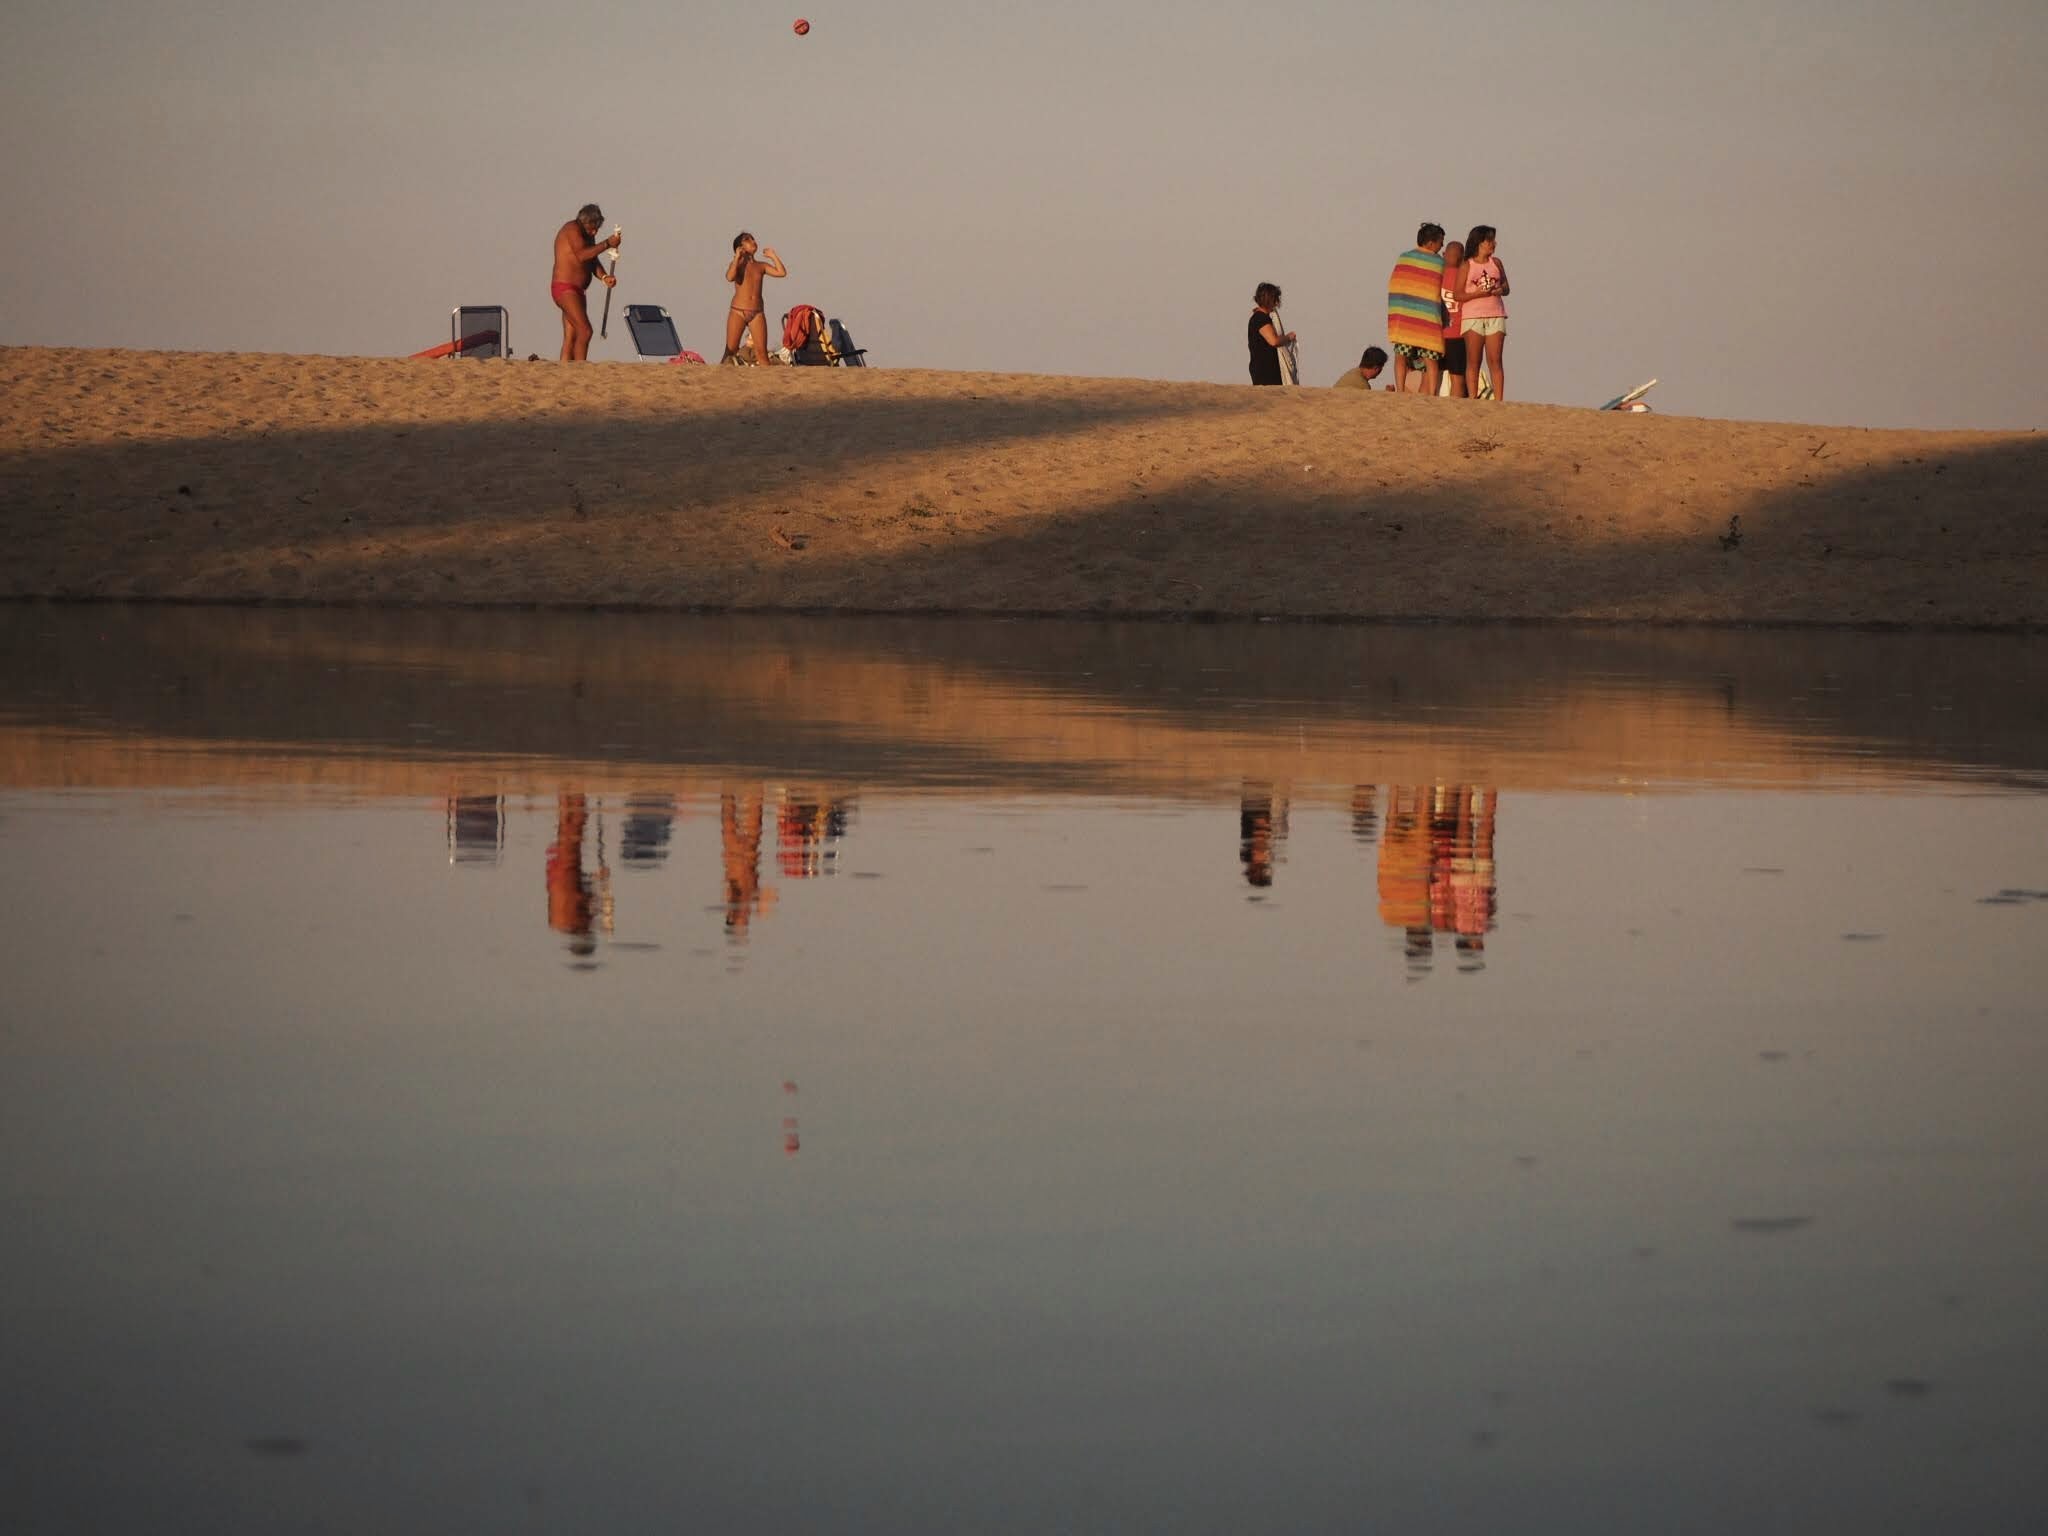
(1619, 402)
(1290, 352)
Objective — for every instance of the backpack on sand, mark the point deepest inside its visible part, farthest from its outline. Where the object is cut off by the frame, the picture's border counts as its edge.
(801, 326)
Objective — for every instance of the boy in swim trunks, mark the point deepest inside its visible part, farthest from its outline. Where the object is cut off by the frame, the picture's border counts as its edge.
(1454, 322)
(749, 265)
(576, 251)
(1415, 310)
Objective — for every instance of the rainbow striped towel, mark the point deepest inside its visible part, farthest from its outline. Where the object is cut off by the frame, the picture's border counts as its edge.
(1415, 308)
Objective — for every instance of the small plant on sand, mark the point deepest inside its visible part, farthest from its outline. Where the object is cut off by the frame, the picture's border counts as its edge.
(919, 505)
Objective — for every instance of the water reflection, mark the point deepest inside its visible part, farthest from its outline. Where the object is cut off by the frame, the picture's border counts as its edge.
(1365, 813)
(808, 828)
(1436, 860)
(739, 838)
(570, 889)
(1435, 868)
(476, 829)
(784, 725)
(650, 823)
(1127, 1159)
(1261, 834)
(1404, 875)
(252, 698)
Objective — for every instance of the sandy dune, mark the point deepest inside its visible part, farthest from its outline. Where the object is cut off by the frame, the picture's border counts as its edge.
(273, 478)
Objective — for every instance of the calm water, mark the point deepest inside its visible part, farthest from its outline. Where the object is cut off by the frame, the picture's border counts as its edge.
(617, 1074)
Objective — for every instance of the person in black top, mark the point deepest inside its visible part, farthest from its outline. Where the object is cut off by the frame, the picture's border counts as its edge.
(1263, 337)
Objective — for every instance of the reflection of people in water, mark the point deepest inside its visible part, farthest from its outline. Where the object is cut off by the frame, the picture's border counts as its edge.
(1436, 870)
(1261, 830)
(1404, 873)
(1365, 814)
(807, 826)
(1461, 869)
(739, 835)
(569, 906)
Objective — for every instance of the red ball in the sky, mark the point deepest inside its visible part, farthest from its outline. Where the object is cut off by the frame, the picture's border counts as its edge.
(802, 26)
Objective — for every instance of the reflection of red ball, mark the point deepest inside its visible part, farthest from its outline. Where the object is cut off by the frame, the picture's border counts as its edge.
(802, 26)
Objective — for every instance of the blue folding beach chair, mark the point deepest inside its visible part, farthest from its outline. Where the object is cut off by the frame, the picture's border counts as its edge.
(653, 332)
(849, 355)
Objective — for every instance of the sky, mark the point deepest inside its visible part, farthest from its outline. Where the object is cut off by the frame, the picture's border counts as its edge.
(1783, 212)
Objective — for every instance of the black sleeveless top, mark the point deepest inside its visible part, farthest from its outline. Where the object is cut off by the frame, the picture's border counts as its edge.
(1265, 356)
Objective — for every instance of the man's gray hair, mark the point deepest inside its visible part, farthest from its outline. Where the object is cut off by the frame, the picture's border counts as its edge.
(588, 212)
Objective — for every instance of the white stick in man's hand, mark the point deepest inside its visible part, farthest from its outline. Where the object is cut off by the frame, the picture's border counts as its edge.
(604, 325)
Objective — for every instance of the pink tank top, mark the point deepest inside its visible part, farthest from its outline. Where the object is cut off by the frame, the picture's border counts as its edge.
(1489, 307)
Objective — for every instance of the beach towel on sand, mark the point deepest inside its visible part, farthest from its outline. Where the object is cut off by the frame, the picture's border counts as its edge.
(1415, 307)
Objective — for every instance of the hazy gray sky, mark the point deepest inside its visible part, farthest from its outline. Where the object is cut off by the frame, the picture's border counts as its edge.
(1782, 211)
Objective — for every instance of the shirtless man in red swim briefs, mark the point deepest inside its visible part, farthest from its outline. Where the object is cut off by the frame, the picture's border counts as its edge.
(749, 265)
(576, 251)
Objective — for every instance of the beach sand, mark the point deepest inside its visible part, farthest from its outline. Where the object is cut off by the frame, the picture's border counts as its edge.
(270, 478)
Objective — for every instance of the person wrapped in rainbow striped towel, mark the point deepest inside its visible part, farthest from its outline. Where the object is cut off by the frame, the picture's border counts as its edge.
(1415, 310)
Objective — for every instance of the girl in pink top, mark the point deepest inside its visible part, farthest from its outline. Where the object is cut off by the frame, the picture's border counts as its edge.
(1482, 292)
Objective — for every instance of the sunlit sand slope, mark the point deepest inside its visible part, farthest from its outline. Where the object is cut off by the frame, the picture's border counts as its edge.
(190, 476)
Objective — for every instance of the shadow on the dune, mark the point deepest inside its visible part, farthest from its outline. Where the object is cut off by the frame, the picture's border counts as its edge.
(1485, 532)
(1950, 542)
(193, 497)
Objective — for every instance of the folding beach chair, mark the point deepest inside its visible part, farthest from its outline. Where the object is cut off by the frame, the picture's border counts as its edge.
(809, 340)
(653, 332)
(850, 356)
(1632, 401)
(480, 330)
